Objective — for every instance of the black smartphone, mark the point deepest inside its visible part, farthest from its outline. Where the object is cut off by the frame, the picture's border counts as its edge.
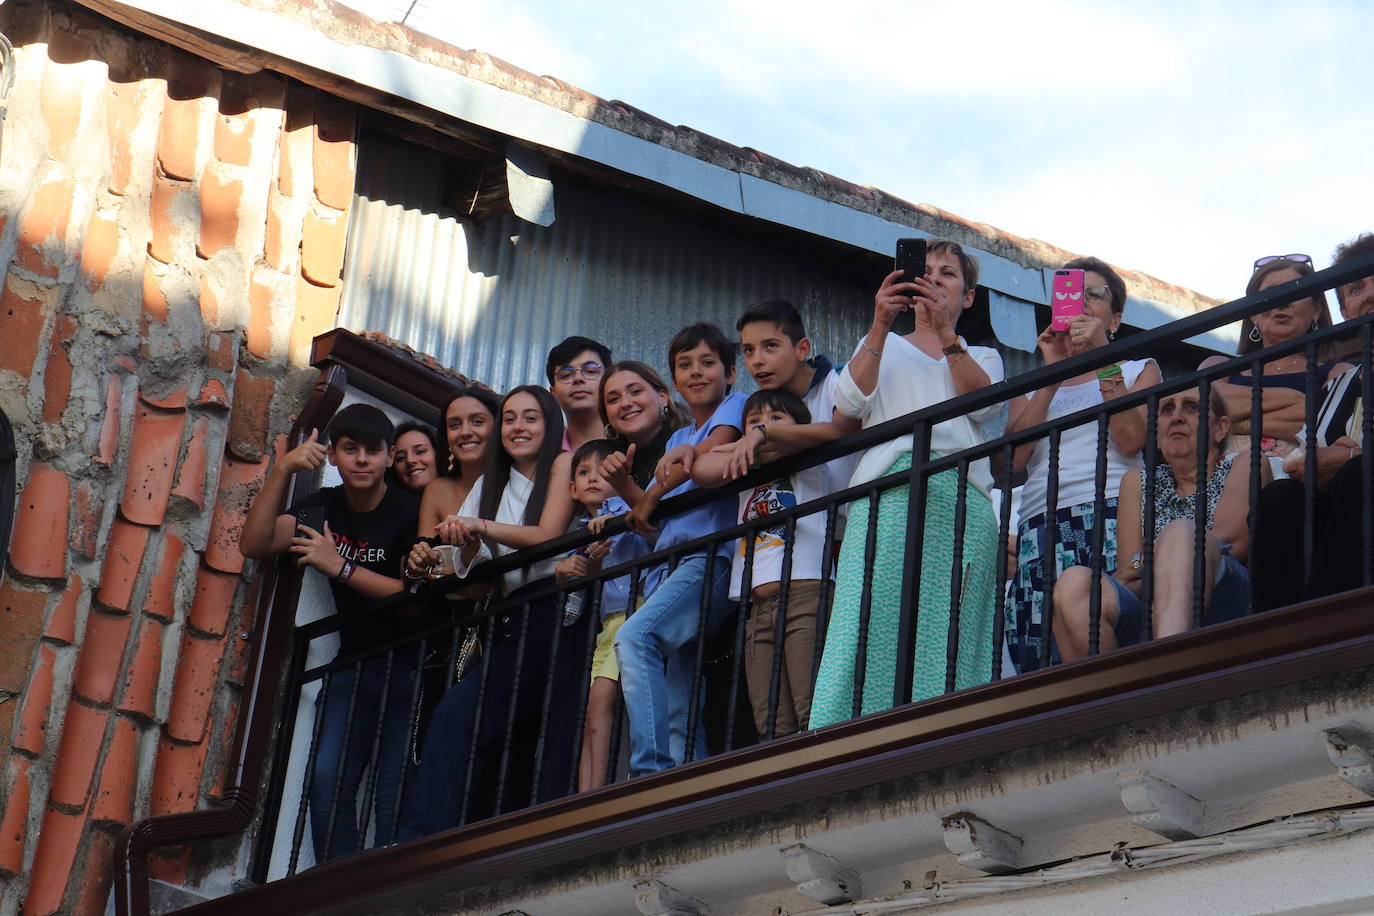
(911, 261)
(310, 517)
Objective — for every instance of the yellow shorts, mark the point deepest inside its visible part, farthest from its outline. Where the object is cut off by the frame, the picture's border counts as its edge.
(603, 658)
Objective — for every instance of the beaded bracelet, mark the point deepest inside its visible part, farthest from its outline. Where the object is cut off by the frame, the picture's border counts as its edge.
(1114, 370)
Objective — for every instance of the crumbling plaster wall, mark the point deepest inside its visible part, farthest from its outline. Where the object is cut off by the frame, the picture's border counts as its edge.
(171, 236)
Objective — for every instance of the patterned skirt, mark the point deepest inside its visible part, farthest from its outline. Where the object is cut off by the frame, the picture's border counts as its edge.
(835, 680)
(1073, 547)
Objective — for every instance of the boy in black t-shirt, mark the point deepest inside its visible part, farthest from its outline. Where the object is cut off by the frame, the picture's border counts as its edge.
(367, 528)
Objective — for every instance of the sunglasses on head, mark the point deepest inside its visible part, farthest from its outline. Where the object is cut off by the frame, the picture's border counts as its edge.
(1295, 258)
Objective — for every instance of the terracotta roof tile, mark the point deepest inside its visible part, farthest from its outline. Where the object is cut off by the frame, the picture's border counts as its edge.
(316, 307)
(295, 143)
(221, 199)
(176, 400)
(57, 375)
(242, 101)
(32, 729)
(251, 416)
(43, 231)
(221, 350)
(334, 153)
(123, 555)
(239, 482)
(161, 599)
(214, 602)
(163, 208)
(170, 865)
(15, 822)
(176, 776)
(109, 425)
(423, 359)
(42, 516)
(239, 649)
(125, 110)
(281, 240)
(21, 623)
(58, 841)
(139, 696)
(188, 84)
(101, 658)
(83, 736)
(99, 248)
(152, 464)
(322, 246)
(61, 626)
(190, 482)
(212, 394)
(23, 315)
(224, 740)
(93, 887)
(194, 689)
(114, 797)
(85, 522)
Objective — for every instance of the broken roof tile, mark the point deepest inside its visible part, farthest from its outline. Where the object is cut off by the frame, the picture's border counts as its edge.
(190, 482)
(109, 426)
(23, 315)
(61, 626)
(42, 516)
(85, 522)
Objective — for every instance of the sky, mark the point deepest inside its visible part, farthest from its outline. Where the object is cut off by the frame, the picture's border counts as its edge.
(1181, 139)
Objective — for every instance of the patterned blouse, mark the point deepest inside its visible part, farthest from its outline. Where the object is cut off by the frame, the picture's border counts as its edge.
(1170, 507)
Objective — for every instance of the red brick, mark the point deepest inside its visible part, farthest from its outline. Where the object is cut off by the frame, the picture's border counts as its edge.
(221, 354)
(190, 484)
(99, 249)
(196, 677)
(93, 886)
(250, 416)
(21, 623)
(109, 426)
(176, 776)
(22, 317)
(102, 656)
(239, 482)
(161, 600)
(139, 696)
(85, 523)
(176, 400)
(214, 602)
(152, 464)
(43, 230)
(58, 841)
(188, 81)
(83, 735)
(220, 200)
(43, 512)
(114, 799)
(212, 394)
(124, 105)
(168, 215)
(33, 717)
(316, 307)
(62, 622)
(322, 247)
(57, 377)
(332, 160)
(123, 555)
(261, 291)
(15, 823)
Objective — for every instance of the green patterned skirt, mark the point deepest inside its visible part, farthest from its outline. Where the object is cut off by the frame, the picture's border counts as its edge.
(834, 695)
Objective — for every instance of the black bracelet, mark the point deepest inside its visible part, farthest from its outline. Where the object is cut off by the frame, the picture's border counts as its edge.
(763, 429)
(347, 571)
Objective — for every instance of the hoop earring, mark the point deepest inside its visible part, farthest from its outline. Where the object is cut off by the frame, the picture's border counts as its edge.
(1111, 335)
(1315, 324)
(610, 433)
(1255, 334)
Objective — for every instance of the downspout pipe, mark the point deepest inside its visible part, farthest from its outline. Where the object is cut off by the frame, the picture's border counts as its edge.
(276, 616)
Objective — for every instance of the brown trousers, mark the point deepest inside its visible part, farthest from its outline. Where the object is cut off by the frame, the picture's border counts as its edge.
(797, 662)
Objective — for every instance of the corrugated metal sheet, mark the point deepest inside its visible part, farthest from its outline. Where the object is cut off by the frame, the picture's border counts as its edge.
(491, 299)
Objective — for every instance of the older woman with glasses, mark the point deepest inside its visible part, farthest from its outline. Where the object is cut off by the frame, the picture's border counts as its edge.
(1067, 537)
(1284, 380)
(1226, 582)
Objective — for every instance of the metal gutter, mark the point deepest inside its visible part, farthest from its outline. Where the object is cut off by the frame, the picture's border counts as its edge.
(1230, 660)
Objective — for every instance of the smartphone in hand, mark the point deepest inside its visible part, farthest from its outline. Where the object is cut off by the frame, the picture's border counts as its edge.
(310, 517)
(1066, 298)
(911, 261)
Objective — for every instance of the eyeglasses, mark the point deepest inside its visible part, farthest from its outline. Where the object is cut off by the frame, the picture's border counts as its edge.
(1295, 258)
(589, 371)
(1097, 293)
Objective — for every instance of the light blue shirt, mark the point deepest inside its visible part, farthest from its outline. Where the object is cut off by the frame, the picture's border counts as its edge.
(626, 546)
(717, 514)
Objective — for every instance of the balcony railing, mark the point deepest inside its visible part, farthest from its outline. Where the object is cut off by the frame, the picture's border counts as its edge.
(745, 775)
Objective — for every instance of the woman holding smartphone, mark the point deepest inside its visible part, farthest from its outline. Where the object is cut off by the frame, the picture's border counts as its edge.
(1067, 536)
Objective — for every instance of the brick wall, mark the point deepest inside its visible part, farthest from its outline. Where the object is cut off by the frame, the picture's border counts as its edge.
(171, 236)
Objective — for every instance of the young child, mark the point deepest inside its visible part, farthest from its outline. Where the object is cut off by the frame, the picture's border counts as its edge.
(653, 645)
(594, 494)
(367, 525)
(774, 409)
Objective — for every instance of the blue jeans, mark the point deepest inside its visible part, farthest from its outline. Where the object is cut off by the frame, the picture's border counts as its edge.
(339, 770)
(656, 651)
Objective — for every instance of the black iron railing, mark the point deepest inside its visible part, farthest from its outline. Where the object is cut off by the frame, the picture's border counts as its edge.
(714, 707)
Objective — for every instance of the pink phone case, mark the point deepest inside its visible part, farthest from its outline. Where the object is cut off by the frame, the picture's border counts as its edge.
(1066, 298)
